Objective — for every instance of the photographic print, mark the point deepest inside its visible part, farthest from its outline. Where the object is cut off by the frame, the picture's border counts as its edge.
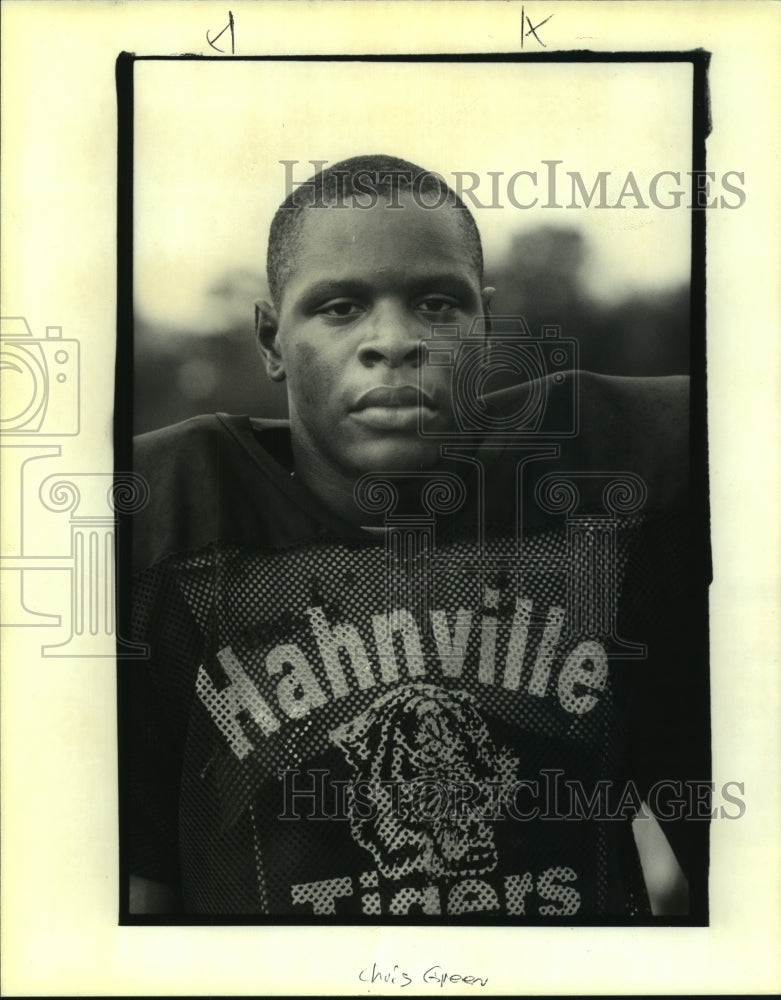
(425, 601)
(388, 572)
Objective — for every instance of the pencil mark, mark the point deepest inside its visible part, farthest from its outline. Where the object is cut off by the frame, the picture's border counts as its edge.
(532, 28)
(228, 27)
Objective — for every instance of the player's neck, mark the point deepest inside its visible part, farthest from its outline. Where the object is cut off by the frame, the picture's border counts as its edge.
(331, 486)
(334, 488)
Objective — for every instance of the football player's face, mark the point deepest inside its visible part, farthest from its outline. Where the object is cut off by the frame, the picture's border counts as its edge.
(366, 288)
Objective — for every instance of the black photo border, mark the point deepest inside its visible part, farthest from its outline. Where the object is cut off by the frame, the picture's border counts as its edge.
(700, 521)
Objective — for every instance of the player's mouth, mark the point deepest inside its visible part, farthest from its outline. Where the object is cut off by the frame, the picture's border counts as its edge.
(393, 407)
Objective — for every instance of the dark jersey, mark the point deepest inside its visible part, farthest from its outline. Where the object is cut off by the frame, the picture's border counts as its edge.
(455, 715)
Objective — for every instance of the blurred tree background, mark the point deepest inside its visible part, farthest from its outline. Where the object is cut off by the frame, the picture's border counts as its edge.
(541, 277)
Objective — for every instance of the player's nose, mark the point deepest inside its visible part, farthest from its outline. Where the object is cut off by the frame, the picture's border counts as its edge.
(391, 337)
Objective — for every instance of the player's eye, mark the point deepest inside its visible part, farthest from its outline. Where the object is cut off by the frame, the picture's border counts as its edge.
(340, 308)
(437, 304)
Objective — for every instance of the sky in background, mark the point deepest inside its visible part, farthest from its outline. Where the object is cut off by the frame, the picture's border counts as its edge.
(209, 138)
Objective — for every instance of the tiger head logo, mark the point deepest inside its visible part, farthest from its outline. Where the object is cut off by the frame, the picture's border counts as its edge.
(427, 756)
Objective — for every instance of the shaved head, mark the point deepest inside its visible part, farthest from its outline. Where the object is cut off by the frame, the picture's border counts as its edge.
(358, 183)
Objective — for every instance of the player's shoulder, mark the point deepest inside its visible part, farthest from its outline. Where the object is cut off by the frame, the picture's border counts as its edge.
(573, 403)
(622, 405)
(191, 458)
(192, 447)
(641, 426)
(173, 442)
(611, 423)
(207, 479)
(654, 395)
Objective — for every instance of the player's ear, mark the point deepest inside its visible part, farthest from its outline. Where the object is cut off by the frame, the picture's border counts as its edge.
(267, 339)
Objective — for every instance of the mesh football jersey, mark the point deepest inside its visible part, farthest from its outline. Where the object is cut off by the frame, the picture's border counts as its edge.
(447, 717)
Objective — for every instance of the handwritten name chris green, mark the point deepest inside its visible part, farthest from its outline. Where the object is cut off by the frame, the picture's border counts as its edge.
(434, 975)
